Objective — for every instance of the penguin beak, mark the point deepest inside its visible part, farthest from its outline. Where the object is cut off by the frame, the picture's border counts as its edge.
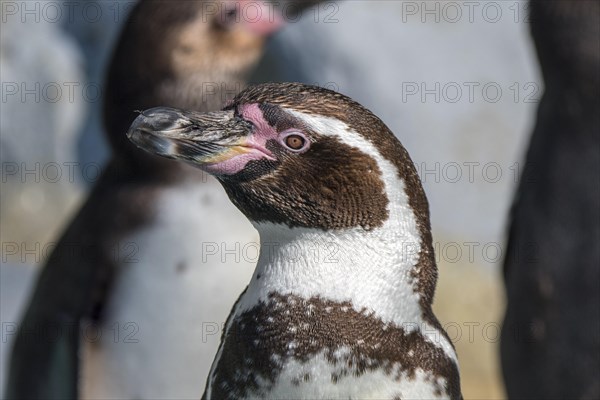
(217, 142)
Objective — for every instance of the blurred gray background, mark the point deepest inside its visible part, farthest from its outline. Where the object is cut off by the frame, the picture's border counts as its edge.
(457, 82)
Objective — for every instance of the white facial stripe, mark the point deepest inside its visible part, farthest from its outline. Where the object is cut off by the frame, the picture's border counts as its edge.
(401, 214)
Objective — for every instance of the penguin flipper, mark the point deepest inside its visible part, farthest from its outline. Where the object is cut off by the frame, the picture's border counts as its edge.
(45, 361)
(71, 288)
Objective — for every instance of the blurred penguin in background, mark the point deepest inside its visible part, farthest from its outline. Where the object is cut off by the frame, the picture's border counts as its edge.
(132, 300)
(550, 345)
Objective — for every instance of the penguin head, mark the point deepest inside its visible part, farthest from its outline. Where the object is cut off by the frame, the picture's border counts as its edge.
(293, 154)
(224, 37)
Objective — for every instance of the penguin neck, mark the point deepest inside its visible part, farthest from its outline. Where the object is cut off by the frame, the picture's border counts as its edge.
(372, 270)
(321, 301)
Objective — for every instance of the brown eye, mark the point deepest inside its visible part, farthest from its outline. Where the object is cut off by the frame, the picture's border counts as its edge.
(227, 17)
(295, 142)
(230, 15)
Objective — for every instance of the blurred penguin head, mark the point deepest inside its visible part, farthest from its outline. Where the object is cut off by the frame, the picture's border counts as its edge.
(182, 38)
(191, 54)
(226, 36)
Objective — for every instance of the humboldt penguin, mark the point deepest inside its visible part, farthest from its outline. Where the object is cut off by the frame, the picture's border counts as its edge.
(340, 303)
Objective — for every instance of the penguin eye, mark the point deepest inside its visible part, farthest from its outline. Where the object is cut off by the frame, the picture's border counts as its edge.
(230, 15)
(294, 141)
(227, 16)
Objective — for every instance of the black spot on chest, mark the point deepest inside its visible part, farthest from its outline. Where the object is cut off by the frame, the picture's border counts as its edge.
(181, 267)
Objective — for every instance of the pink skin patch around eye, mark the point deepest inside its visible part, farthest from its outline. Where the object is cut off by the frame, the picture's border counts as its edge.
(255, 144)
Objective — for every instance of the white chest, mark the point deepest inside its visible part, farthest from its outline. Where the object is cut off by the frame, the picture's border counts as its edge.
(163, 320)
(374, 385)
